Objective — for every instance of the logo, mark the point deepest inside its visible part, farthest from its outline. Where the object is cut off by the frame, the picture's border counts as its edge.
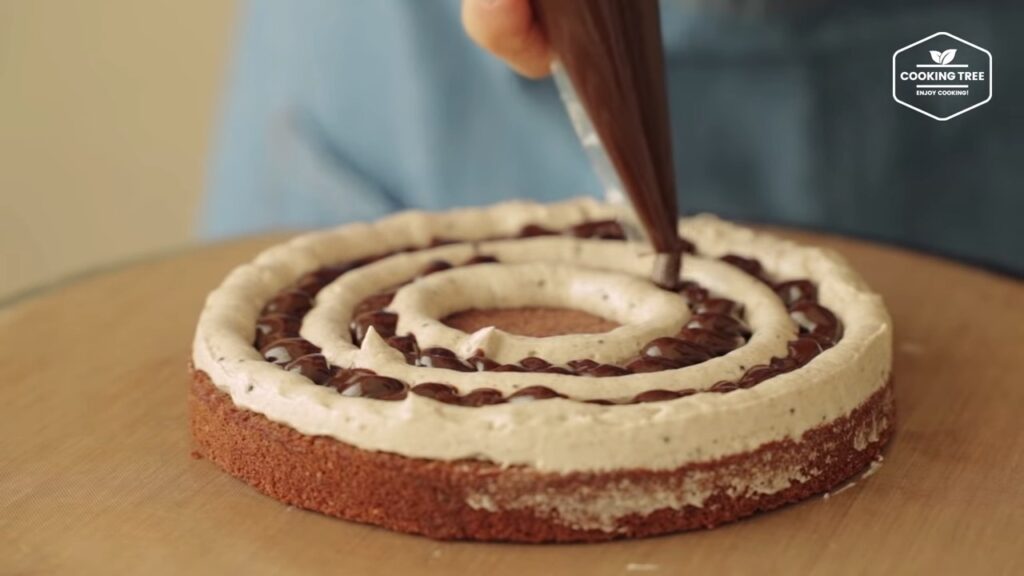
(942, 76)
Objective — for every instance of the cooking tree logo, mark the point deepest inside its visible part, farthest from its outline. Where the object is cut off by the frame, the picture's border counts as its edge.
(942, 76)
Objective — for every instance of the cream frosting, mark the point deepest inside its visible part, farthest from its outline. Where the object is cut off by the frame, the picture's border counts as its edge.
(326, 324)
(644, 311)
(555, 435)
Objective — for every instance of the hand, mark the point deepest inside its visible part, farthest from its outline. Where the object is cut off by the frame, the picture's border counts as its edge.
(509, 30)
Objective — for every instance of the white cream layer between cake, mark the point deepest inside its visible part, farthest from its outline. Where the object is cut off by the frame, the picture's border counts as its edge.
(554, 435)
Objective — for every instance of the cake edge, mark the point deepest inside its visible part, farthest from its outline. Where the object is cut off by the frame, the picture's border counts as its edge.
(480, 500)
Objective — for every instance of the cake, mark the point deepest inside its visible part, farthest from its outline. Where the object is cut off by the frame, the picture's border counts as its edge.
(510, 374)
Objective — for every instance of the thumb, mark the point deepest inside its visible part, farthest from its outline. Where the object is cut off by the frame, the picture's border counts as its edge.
(509, 30)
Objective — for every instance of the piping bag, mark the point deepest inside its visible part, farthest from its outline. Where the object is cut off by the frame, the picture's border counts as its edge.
(610, 73)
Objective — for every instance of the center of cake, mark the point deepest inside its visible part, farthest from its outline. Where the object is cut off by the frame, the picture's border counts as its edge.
(643, 311)
(534, 321)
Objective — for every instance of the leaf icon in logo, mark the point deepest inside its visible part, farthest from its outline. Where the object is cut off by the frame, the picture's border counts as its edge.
(936, 56)
(948, 56)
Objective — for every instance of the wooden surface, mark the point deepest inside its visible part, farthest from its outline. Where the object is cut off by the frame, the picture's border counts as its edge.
(96, 475)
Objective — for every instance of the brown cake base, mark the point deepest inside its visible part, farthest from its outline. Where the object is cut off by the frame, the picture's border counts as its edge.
(476, 500)
(530, 321)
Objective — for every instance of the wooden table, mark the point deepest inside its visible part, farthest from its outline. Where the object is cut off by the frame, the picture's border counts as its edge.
(96, 475)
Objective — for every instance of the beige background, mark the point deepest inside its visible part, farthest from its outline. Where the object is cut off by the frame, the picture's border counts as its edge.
(106, 109)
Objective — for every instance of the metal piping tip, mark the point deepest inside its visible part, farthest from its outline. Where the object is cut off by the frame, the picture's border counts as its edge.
(667, 266)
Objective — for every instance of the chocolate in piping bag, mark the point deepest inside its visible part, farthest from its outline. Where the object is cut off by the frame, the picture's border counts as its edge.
(611, 52)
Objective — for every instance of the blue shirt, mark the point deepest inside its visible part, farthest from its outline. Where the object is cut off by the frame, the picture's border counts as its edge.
(345, 111)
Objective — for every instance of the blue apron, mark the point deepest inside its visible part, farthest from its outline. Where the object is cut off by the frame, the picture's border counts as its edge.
(344, 111)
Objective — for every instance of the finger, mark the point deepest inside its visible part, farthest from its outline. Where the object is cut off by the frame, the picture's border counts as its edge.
(508, 29)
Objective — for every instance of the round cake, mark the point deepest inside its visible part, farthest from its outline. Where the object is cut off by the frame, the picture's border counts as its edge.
(511, 373)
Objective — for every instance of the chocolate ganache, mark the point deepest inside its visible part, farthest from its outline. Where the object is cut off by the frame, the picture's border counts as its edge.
(717, 327)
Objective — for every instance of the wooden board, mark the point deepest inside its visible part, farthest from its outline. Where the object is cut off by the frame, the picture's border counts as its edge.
(96, 475)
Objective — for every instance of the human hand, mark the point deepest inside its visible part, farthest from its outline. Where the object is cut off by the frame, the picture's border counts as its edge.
(509, 29)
